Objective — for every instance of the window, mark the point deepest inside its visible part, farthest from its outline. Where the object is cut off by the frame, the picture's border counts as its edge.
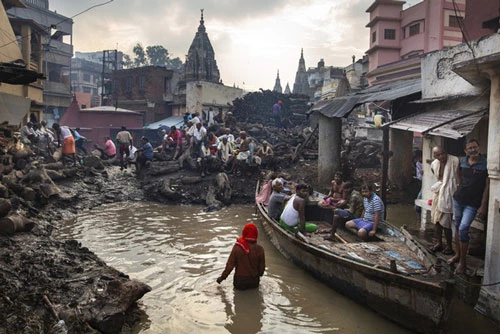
(142, 82)
(390, 34)
(87, 90)
(455, 21)
(374, 36)
(95, 91)
(415, 29)
(128, 84)
(86, 77)
(74, 76)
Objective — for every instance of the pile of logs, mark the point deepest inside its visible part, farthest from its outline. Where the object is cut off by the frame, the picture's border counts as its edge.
(257, 107)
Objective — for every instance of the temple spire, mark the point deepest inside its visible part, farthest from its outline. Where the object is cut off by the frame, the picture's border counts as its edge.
(301, 84)
(277, 84)
(200, 60)
(201, 28)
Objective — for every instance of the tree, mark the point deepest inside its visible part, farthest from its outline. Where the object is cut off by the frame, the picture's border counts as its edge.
(127, 62)
(140, 56)
(158, 55)
(175, 64)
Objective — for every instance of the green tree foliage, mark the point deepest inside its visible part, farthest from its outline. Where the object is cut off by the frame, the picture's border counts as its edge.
(127, 62)
(157, 55)
(140, 56)
(175, 64)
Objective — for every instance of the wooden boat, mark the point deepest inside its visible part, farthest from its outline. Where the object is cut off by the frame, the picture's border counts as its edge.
(393, 275)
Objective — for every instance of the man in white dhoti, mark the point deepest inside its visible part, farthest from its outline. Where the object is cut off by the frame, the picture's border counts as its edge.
(445, 169)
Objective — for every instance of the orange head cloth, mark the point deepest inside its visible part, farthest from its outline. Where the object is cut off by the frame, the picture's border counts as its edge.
(250, 234)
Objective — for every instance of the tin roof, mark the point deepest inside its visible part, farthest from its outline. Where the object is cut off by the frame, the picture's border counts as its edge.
(445, 123)
(343, 105)
(168, 122)
(109, 109)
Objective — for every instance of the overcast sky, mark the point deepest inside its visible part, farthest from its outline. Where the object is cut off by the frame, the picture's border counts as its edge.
(252, 39)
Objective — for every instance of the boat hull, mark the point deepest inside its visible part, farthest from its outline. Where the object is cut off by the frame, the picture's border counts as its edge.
(412, 303)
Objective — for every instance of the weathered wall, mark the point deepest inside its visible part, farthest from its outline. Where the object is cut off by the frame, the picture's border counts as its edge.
(438, 76)
(202, 95)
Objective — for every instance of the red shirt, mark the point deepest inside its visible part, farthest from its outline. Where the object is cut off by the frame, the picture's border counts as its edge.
(176, 137)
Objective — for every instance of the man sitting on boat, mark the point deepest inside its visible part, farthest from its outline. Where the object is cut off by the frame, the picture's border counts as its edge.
(354, 209)
(293, 215)
(373, 213)
(336, 197)
(275, 206)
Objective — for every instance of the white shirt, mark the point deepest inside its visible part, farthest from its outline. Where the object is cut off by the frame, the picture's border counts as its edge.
(65, 132)
(199, 134)
(225, 150)
(289, 215)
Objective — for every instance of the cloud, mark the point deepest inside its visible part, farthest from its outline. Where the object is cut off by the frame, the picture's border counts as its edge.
(251, 39)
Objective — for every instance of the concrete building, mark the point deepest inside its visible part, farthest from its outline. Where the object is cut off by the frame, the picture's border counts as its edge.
(56, 52)
(21, 91)
(324, 80)
(399, 37)
(208, 99)
(86, 82)
(98, 122)
(89, 71)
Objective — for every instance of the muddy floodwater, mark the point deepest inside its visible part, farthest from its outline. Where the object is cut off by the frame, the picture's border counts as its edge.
(180, 251)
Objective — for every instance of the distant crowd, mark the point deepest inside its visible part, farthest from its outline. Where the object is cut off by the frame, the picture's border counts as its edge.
(191, 145)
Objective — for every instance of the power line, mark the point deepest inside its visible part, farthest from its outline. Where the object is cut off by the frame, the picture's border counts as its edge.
(62, 21)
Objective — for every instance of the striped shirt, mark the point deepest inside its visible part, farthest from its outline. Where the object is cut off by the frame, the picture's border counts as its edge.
(372, 205)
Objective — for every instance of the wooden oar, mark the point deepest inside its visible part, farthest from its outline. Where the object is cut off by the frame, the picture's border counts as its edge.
(340, 238)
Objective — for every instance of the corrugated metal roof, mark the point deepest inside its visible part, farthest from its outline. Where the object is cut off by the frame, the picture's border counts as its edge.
(393, 91)
(343, 105)
(448, 123)
(109, 109)
(173, 120)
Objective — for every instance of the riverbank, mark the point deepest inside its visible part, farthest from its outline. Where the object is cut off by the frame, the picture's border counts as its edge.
(46, 284)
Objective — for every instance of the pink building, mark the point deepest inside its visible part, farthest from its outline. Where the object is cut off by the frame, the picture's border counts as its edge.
(399, 37)
(481, 18)
(98, 122)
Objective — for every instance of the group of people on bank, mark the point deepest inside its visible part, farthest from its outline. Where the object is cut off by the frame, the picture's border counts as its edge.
(226, 152)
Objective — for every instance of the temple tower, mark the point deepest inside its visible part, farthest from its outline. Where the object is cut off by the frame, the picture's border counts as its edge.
(301, 85)
(200, 61)
(277, 85)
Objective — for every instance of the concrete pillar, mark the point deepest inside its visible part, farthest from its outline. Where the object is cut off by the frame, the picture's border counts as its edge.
(401, 163)
(489, 298)
(26, 49)
(330, 140)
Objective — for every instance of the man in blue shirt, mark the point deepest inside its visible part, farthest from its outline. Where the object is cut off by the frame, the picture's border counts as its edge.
(79, 140)
(277, 114)
(145, 154)
(470, 200)
(373, 214)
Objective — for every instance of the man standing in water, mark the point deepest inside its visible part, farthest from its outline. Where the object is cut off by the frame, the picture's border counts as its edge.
(249, 259)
